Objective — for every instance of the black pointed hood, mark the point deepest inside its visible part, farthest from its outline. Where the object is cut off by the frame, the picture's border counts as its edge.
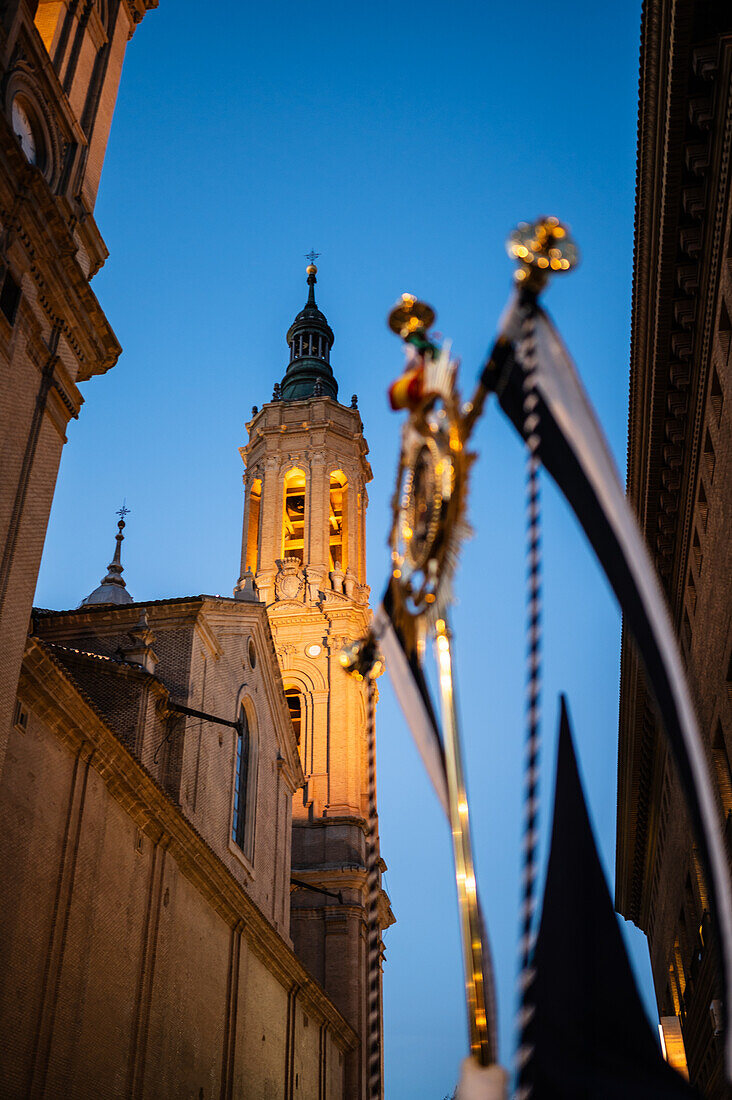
(590, 1036)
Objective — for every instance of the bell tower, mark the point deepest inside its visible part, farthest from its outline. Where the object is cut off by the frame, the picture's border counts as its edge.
(303, 555)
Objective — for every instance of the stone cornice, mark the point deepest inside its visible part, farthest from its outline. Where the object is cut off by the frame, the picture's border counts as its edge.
(32, 214)
(716, 214)
(48, 691)
(319, 419)
(682, 203)
(339, 877)
(136, 11)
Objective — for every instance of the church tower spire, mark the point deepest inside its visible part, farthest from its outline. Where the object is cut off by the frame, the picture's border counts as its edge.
(112, 588)
(310, 339)
(304, 557)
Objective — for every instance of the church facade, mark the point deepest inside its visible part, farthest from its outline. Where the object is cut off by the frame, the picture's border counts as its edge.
(183, 803)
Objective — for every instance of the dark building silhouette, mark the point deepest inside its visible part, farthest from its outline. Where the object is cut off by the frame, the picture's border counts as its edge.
(679, 477)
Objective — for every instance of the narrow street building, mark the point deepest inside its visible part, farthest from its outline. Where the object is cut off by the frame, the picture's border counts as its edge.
(680, 484)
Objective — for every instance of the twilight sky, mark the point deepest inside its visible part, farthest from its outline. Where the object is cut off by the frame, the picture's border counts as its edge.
(402, 144)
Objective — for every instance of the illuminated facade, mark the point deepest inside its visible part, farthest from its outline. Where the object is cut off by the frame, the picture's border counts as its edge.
(304, 557)
(60, 63)
(679, 482)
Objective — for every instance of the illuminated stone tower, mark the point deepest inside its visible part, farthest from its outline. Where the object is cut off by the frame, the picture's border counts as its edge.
(303, 555)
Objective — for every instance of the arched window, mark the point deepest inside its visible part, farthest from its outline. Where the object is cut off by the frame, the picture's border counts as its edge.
(338, 520)
(241, 781)
(293, 519)
(294, 702)
(255, 501)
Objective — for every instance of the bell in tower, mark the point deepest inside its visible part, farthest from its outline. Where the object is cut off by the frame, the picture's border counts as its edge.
(304, 557)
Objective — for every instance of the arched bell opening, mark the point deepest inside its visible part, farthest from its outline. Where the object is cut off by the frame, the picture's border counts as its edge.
(293, 515)
(294, 703)
(338, 521)
(253, 523)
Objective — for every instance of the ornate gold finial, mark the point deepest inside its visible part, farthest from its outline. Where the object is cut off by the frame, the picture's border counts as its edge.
(542, 249)
(410, 316)
(312, 255)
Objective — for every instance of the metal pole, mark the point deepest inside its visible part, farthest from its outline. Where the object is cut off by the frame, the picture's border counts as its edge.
(482, 1039)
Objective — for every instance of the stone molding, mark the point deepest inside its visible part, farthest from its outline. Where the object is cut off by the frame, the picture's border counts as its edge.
(682, 206)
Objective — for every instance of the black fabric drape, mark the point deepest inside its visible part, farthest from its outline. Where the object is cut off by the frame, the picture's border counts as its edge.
(589, 1033)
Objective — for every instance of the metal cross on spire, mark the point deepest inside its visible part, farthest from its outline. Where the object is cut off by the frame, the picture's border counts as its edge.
(123, 511)
(312, 255)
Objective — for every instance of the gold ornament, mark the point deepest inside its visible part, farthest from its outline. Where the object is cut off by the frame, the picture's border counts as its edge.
(410, 315)
(429, 502)
(542, 249)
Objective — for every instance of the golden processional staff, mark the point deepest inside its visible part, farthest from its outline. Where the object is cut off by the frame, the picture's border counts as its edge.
(428, 526)
(538, 388)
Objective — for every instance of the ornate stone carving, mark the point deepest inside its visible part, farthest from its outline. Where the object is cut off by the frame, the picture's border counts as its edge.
(337, 578)
(289, 582)
(246, 588)
(284, 654)
(314, 578)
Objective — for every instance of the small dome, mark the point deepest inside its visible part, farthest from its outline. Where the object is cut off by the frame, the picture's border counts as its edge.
(108, 593)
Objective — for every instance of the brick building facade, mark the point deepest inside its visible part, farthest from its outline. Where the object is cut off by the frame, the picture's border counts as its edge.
(679, 479)
(60, 66)
(146, 951)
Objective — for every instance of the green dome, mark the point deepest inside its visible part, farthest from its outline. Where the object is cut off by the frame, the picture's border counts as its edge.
(310, 339)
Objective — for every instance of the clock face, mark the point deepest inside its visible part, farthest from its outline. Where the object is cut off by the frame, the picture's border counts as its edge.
(23, 129)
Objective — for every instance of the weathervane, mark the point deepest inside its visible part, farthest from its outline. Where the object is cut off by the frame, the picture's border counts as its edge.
(312, 255)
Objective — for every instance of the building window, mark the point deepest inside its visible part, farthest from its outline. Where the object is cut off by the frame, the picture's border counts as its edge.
(9, 297)
(20, 717)
(241, 782)
(338, 520)
(293, 520)
(294, 702)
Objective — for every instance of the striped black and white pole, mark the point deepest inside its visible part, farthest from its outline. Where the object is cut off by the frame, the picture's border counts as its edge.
(526, 354)
(373, 889)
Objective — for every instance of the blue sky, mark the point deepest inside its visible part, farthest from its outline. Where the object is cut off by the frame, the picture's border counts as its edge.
(402, 144)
